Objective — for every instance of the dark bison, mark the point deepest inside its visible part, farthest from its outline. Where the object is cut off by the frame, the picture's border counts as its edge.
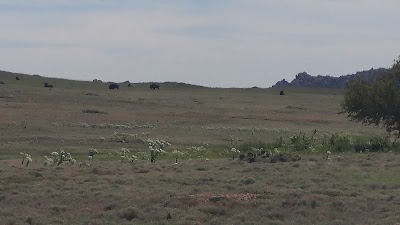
(48, 85)
(281, 93)
(1, 82)
(17, 78)
(130, 85)
(113, 86)
(155, 86)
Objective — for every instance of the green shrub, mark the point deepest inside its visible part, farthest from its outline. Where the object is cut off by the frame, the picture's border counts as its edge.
(278, 143)
(360, 146)
(379, 144)
(339, 143)
(395, 147)
(251, 145)
(300, 142)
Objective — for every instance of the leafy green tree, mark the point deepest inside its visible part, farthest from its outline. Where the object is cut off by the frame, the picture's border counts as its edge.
(377, 102)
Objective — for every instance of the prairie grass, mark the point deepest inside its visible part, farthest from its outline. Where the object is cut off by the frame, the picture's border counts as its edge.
(206, 186)
(222, 192)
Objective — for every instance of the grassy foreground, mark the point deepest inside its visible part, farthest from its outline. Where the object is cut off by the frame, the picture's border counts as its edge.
(206, 187)
(350, 189)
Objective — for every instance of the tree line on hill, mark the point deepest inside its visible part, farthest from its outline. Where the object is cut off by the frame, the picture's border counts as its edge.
(305, 80)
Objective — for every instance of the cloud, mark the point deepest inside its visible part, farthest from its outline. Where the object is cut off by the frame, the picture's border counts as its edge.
(209, 42)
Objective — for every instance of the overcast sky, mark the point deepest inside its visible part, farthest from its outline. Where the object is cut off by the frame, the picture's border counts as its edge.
(218, 43)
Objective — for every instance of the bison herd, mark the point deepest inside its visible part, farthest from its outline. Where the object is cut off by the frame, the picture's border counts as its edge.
(112, 86)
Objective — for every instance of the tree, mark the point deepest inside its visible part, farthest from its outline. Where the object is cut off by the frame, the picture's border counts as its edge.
(377, 102)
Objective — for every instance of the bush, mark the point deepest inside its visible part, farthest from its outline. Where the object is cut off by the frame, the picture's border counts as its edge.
(379, 144)
(338, 143)
(129, 214)
(248, 181)
(359, 146)
(278, 143)
(301, 142)
(281, 150)
(251, 145)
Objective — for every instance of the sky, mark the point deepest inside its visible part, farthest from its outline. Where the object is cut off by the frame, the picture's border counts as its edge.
(215, 43)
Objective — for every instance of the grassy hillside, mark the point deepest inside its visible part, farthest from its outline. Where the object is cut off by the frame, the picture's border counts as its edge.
(206, 186)
(38, 81)
(37, 119)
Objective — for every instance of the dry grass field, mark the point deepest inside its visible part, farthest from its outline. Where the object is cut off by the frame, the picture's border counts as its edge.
(205, 187)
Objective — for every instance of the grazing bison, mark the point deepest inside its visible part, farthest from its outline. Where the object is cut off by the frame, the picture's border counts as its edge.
(113, 86)
(155, 86)
(17, 78)
(48, 85)
(130, 85)
(1, 82)
(281, 93)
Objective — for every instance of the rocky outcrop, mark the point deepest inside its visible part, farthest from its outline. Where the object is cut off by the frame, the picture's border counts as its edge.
(306, 80)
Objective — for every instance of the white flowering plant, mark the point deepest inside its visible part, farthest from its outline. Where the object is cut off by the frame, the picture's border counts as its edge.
(48, 161)
(27, 158)
(92, 153)
(328, 154)
(123, 137)
(176, 154)
(125, 156)
(59, 158)
(234, 152)
(157, 147)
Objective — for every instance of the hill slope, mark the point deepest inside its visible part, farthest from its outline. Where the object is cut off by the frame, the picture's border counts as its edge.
(38, 81)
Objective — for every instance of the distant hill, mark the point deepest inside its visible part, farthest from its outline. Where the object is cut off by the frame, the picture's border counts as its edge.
(301, 80)
(38, 80)
(305, 80)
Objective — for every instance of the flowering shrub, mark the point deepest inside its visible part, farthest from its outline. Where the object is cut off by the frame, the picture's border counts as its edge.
(59, 158)
(125, 157)
(48, 161)
(328, 154)
(234, 151)
(197, 151)
(156, 148)
(104, 125)
(176, 154)
(26, 158)
(123, 137)
(300, 141)
(92, 152)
